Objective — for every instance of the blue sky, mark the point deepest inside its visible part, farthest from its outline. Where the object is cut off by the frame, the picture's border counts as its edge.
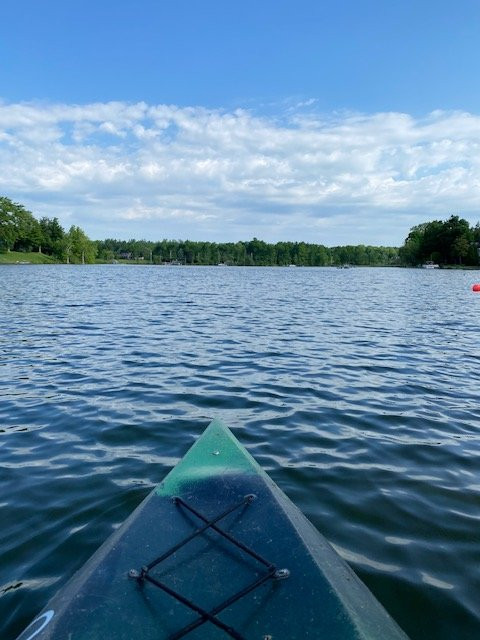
(334, 122)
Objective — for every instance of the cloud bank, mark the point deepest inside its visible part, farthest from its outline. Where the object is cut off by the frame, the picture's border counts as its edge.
(154, 171)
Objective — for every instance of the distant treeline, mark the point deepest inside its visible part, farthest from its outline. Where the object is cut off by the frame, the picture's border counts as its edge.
(447, 242)
(21, 231)
(252, 253)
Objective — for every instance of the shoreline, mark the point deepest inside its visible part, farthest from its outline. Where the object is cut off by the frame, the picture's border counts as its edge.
(25, 263)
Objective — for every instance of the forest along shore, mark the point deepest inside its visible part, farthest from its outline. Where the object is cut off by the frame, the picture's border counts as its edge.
(24, 240)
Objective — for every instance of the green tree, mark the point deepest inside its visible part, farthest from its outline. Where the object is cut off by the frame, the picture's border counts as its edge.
(446, 242)
(8, 228)
(458, 238)
(77, 247)
(461, 247)
(19, 230)
(52, 236)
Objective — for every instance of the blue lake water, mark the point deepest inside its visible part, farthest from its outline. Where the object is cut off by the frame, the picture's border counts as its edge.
(357, 390)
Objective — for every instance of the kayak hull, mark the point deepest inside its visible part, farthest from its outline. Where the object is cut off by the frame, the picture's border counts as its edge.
(292, 584)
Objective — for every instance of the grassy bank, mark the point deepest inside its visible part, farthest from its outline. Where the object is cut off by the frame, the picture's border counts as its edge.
(19, 257)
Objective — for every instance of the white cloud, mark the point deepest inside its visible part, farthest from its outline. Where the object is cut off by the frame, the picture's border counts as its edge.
(137, 170)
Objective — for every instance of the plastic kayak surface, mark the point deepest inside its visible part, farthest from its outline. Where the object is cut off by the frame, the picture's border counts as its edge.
(217, 550)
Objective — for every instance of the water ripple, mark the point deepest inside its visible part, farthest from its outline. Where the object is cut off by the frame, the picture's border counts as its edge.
(356, 390)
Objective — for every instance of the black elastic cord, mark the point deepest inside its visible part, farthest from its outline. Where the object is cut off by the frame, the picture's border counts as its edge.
(210, 616)
(209, 524)
(191, 605)
(226, 535)
(213, 612)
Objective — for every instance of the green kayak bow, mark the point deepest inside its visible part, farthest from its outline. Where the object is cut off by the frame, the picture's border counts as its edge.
(217, 550)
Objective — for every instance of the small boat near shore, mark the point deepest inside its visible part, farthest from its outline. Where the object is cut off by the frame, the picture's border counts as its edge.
(430, 265)
(216, 550)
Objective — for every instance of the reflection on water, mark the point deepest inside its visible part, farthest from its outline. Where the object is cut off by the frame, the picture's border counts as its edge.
(357, 390)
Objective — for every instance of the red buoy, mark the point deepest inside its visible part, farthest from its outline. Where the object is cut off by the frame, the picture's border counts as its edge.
(476, 287)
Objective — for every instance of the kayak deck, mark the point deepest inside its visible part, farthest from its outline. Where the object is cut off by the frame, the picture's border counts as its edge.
(215, 551)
